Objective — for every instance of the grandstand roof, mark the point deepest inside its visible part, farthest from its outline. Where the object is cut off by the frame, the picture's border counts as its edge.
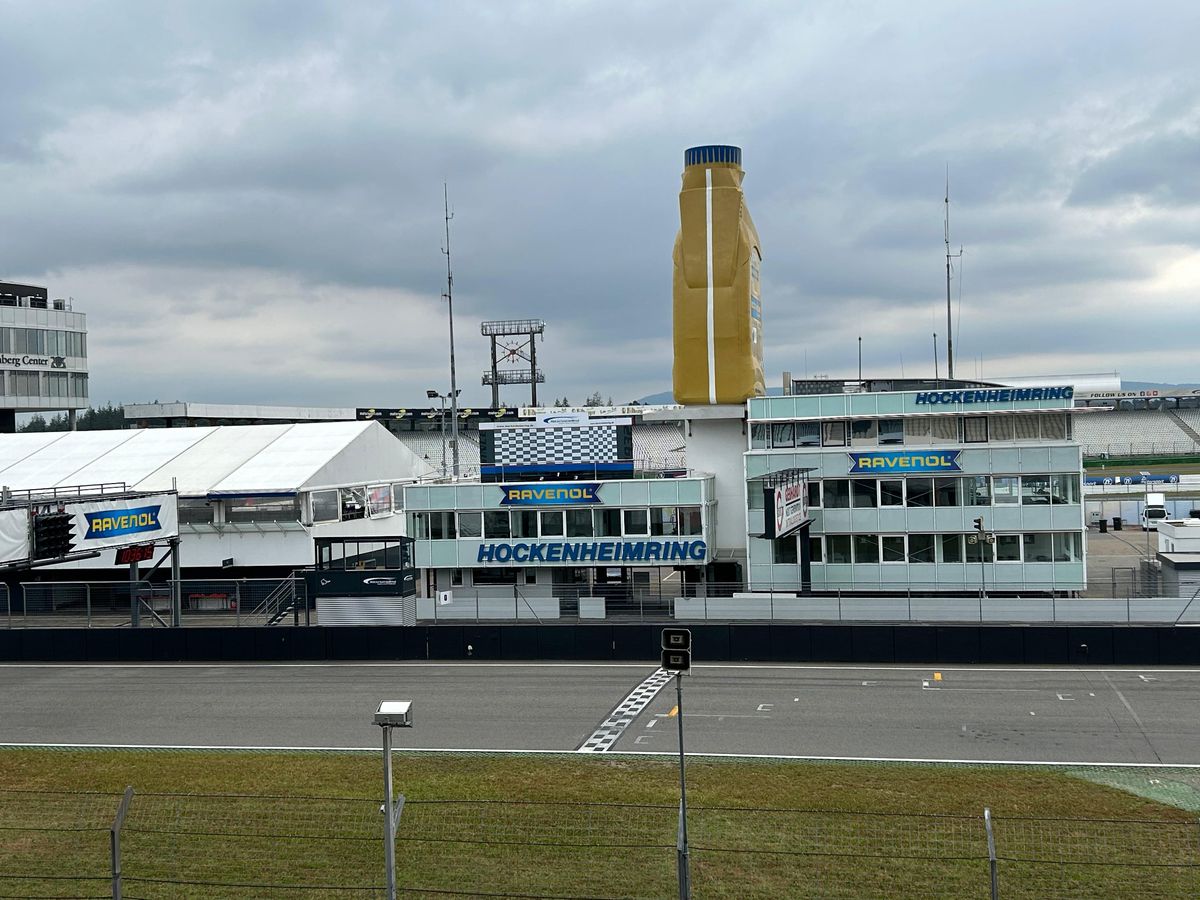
(227, 460)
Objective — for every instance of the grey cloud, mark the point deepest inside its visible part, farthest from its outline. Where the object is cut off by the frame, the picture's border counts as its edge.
(1163, 170)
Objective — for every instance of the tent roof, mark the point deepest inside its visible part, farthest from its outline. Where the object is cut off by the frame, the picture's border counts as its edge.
(227, 460)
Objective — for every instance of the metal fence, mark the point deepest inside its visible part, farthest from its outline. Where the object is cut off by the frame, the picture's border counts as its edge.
(117, 604)
(157, 845)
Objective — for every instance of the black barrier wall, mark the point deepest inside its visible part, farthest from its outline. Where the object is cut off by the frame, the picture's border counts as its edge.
(1090, 645)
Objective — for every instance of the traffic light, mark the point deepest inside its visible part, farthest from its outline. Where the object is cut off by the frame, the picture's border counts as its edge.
(676, 649)
(53, 535)
(979, 524)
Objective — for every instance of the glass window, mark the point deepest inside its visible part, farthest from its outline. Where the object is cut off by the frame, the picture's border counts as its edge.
(866, 548)
(1054, 426)
(945, 491)
(920, 491)
(493, 576)
(418, 526)
(920, 548)
(951, 547)
(662, 521)
(833, 434)
(1039, 547)
(759, 434)
(891, 431)
(815, 546)
(531, 576)
(1000, 428)
(470, 524)
(975, 430)
(814, 493)
(864, 433)
(916, 430)
(524, 523)
(979, 551)
(397, 497)
(1035, 490)
(495, 524)
(441, 526)
(782, 435)
(608, 523)
(552, 523)
(689, 520)
(977, 490)
(943, 430)
(354, 502)
(1004, 489)
(324, 506)
(456, 578)
(891, 492)
(784, 551)
(579, 523)
(1064, 489)
(1025, 427)
(808, 434)
(838, 546)
(837, 493)
(637, 522)
(893, 548)
(192, 512)
(1008, 548)
(1067, 546)
(862, 493)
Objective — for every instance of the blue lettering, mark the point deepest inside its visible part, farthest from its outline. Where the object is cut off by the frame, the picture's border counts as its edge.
(570, 552)
(605, 553)
(1038, 394)
(587, 552)
(486, 553)
(993, 396)
(536, 551)
(968, 397)
(1068, 393)
(925, 397)
(697, 550)
(1005, 395)
(946, 397)
(1022, 394)
(635, 551)
(654, 550)
(520, 553)
(554, 553)
(503, 553)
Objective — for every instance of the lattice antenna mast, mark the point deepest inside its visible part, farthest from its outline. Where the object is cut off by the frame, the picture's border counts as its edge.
(949, 257)
(449, 295)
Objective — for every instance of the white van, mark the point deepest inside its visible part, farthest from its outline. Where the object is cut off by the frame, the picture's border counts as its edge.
(1154, 511)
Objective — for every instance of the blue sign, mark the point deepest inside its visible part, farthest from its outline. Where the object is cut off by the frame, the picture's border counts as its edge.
(117, 522)
(571, 494)
(594, 551)
(997, 395)
(904, 461)
(1102, 480)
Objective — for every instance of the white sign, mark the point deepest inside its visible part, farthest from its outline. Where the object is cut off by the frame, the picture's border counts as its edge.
(445, 598)
(633, 409)
(14, 534)
(117, 523)
(791, 507)
(561, 417)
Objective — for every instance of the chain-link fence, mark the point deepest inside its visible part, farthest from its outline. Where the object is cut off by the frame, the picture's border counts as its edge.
(62, 844)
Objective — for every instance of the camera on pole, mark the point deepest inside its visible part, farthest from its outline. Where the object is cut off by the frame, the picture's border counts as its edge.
(676, 649)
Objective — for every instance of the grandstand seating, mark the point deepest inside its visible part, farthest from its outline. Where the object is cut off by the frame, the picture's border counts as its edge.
(427, 445)
(1130, 432)
(659, 446)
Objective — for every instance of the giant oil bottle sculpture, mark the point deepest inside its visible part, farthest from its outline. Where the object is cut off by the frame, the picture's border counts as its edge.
(717, 299)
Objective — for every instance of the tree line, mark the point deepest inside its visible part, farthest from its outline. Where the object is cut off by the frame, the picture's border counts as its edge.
(94, 418)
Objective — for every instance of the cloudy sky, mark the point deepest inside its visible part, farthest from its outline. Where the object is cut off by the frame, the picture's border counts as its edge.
(246, 197)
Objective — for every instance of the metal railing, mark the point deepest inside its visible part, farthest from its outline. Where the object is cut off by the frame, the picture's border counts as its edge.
(158, 845)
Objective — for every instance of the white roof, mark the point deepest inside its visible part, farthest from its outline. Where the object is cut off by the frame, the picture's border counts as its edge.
(228, 460)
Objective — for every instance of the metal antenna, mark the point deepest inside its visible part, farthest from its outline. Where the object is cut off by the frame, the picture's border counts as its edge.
(936, 379)
(449, 295)
(949, 256)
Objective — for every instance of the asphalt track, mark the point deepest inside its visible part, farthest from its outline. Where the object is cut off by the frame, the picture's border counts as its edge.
(970, 713)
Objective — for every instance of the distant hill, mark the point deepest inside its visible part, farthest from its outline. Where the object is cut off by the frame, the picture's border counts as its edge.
(1156, 386)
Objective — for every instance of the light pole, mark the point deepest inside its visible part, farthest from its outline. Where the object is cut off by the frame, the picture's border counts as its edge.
(449, 295)
(391, 714)
(1145, 506)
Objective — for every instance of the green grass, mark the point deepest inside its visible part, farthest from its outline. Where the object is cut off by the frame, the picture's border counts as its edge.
(576, 826)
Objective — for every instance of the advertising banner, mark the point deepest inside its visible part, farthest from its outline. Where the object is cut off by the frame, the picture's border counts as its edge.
(361, 583)
(786, 507)
(690, 552)
(571, 494)
(115, 523)
(14, 535)
(901, 461)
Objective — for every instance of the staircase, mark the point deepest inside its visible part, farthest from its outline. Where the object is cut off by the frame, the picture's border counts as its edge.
(1187, 429)
(277, 605)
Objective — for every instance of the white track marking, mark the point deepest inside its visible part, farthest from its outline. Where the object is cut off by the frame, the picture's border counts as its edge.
(434, 664)
(672, 754)
(610, 730)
